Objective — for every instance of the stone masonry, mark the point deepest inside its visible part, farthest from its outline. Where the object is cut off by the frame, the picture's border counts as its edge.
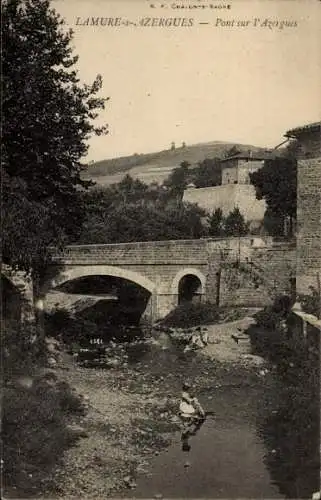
(159, 267)
(308, 206)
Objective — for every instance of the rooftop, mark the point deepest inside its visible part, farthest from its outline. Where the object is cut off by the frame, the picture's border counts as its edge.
(294, 132)
(250, 155)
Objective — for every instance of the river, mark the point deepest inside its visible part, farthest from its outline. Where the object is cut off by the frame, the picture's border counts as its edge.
(248, 447)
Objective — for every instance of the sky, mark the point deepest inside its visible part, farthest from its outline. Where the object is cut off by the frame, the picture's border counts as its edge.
(200, 83)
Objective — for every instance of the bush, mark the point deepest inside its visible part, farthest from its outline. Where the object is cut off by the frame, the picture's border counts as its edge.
(70, 329)
(35, 432)
(311, 303)
(36, 411)
(271, 316)
(22, 353)
(188, 314)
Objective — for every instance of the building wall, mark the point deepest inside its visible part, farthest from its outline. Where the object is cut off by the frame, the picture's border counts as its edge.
(237, 171)
(309, 145)
(247, 167)
(308, 224)
(227, 197)
(229, 173)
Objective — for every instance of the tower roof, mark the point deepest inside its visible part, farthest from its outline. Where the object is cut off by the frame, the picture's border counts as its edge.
(250, 155)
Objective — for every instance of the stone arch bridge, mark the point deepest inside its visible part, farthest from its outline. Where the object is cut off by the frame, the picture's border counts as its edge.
(168, 271)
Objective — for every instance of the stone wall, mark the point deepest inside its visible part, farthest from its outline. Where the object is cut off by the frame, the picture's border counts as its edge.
(22, 298)
(136, 253)
(158, 267)
(263, 273)
(308, 224)
(228, 197)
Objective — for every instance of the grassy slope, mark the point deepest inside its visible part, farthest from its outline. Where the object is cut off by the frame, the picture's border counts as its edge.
(156, 167)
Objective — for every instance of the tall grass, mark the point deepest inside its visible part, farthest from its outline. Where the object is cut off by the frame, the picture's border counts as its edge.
(37, 408)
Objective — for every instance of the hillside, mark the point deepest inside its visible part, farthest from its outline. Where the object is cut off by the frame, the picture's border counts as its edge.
(156, 167)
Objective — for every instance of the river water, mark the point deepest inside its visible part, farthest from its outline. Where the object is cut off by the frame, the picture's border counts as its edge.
(225, 460)
(254, 444)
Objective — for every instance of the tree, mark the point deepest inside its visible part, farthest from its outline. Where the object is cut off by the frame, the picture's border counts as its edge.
(142, 215)
(215, 223)
(130, 190)
(177, 180)
(208, 173)
(234, 150)
(235, 224)
(48, 117)
(276, 183)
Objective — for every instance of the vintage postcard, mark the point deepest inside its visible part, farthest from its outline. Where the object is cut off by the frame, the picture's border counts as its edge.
(161, 249)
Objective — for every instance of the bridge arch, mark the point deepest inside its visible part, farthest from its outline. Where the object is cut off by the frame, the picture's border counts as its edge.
(75, 272)
(188, 280)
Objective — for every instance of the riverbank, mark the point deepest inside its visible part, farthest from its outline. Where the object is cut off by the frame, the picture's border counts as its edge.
(125, 432)
(132, 407)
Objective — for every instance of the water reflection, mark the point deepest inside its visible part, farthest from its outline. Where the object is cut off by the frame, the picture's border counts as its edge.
(191, 430)
(289, 423)
(285, 409)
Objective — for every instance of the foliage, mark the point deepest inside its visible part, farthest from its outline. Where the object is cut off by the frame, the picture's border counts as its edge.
(293, 428)
(132, 211)
(215, 223)
(49, 116)
(208, 173)
(36, 410)
(234, 224)
(35, 432)
(276, 183)
(270, 316)
(311, 303)
(188, 314)
(273, 223)
(178, 179)
(69, 329)
(21, 354)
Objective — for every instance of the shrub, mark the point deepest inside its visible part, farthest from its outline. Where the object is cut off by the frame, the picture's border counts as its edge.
(71, 329)
(271, 316)
(22, 353)
(189, 314)
(311, 303)
(35, 432)
(36, 411)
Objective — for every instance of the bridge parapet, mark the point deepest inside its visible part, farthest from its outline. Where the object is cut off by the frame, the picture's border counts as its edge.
(139, 253)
